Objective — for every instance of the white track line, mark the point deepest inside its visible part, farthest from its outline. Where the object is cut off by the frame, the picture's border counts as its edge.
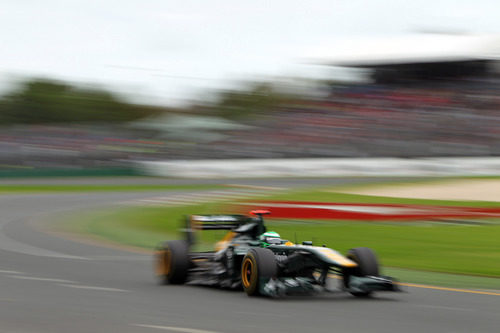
(256, 187)
(200, 197)
(10, 272)
(77, 286)
(11, 245)
(175, 329)
(21, 277)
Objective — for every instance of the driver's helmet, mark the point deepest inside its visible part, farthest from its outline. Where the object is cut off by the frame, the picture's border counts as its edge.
(269, 238)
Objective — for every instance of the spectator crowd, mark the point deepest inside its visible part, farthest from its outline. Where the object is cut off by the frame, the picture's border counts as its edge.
(454, 118)
(459, 118)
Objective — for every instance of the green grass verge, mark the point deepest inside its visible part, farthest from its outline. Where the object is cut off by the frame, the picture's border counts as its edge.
(21, 171)
(456, 249)
(13, 189)
(433, 247)
(143, 227)
(419, 252)
(442, 279)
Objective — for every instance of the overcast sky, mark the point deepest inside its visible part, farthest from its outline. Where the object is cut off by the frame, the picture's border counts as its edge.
(165, 51)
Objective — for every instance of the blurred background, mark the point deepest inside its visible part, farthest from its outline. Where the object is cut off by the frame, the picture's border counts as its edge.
(90, 86)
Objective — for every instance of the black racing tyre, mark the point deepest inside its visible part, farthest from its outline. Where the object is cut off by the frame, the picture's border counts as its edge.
(257, 265)
(172, 262)
(367, 265)
(366, 260)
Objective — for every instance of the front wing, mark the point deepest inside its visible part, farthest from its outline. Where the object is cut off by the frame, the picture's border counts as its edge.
(301, 285)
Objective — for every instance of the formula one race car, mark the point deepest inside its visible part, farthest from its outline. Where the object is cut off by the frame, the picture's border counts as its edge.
(263, 263)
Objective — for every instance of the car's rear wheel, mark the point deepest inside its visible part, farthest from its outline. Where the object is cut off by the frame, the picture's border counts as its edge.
(367, 266)
(258, 266)
(172, 262)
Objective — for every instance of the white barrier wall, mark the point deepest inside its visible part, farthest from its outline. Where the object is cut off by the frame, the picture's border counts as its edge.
(318, 167)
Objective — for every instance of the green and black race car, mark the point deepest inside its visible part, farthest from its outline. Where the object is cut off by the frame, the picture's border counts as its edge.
(263, 263)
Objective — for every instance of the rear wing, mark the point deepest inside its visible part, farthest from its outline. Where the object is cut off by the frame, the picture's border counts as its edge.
(213, 222)
(253, 225)
(216, 222)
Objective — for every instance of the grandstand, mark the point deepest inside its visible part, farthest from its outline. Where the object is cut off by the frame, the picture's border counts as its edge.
(425, 95)
(432, 55)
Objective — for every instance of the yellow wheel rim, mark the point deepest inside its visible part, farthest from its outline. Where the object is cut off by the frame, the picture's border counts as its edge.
(163, 262)
(168, 261)
(246, 272)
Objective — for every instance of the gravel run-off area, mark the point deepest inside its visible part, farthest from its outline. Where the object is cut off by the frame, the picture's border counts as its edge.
(479, 189)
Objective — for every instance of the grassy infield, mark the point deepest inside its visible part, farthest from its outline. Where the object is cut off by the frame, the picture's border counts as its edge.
(12, 189)
(421, 252)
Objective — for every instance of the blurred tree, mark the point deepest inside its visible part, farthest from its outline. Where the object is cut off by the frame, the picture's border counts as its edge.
(48, 101)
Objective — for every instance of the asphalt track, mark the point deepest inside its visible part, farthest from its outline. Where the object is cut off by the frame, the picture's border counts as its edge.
(49, 284)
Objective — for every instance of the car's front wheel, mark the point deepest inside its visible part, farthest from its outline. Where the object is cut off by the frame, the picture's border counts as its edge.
(258, 266)
(367, 266)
